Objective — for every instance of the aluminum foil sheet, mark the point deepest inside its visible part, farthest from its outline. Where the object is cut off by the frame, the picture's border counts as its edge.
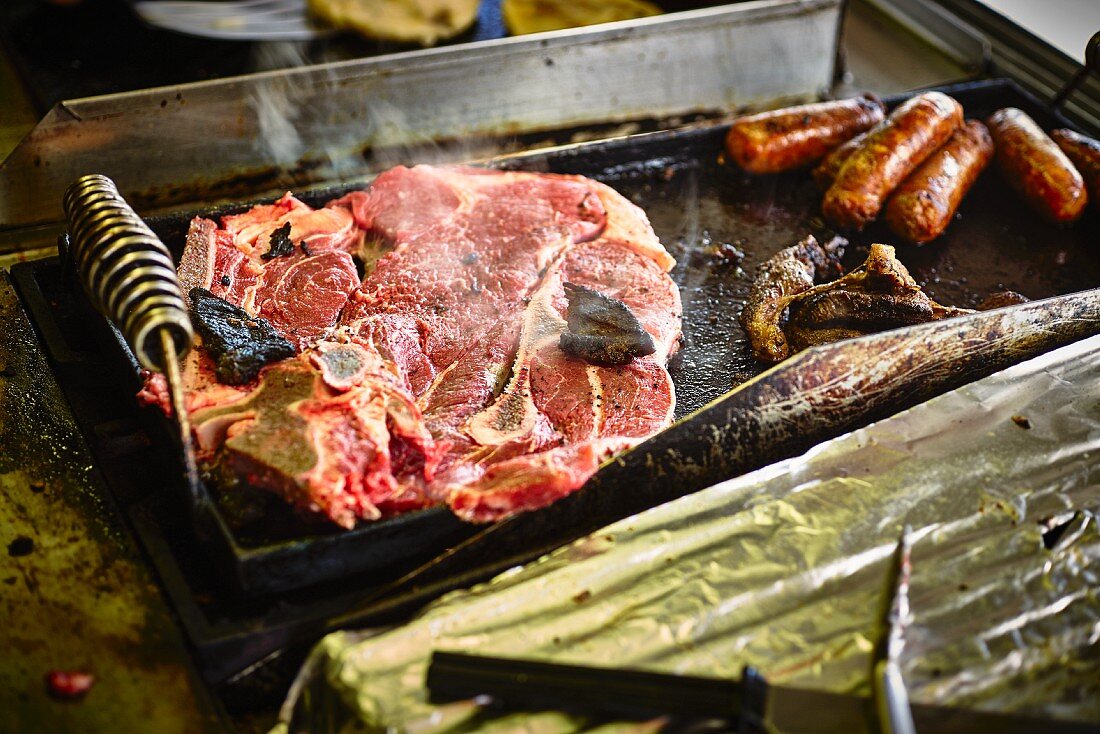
(783, 569)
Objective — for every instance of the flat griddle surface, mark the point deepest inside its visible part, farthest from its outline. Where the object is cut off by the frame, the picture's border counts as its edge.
(707, 214)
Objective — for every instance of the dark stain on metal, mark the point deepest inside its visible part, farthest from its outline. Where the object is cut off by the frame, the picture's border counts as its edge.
(315, 167)
(81, 591)
(21, 546)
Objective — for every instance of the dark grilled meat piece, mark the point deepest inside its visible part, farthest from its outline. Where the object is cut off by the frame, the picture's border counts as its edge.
(878, 295)
(779, 279)
(240, 344)
(601, 329)
(863, 310)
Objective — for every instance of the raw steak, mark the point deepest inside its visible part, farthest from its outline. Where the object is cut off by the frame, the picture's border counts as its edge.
(464, 247)
(345, 441)
(300, 294)
(439, 378)
(559, 417)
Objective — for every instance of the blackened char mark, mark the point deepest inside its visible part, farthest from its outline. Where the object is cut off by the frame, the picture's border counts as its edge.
(239, 344)
(601, 329)
(279, 243)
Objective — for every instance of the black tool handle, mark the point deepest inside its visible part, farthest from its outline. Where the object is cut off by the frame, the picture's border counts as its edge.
(1092, 64)
(634, 694)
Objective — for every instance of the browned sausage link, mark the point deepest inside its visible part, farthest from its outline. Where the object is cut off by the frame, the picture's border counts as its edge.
(1084, 153)
(1036, 167)
(921, 208)
(793, 137)
(825, 173)
(891, 151)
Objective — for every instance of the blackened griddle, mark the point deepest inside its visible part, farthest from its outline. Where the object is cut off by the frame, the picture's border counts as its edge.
(719, 223)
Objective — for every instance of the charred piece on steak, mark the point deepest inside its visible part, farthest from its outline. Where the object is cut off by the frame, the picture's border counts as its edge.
(279, 243)
(240, 344)
(878, 295)
(602, 330)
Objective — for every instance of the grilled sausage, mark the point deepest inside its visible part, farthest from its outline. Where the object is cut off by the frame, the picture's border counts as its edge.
(793, 137)
(1084, 152)
(891, 151)
(1036, 167)
(826, 171)
(921, 208)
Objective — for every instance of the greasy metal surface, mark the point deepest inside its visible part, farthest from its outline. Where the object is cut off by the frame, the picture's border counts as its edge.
(74, 591)
(783, 570)
(719, 223)
(236, 137)
(951, 37)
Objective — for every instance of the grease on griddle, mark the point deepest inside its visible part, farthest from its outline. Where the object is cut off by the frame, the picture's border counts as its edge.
(729, 253)
(239, 344)
(21, 546)
(602, 330)
(279, 243)
(1002, 299)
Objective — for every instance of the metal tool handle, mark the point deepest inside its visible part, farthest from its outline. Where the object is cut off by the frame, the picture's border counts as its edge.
(126, 271)
(891, 699)
(130, 278)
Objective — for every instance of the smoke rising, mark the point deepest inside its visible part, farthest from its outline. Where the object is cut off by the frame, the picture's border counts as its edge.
(339, 136)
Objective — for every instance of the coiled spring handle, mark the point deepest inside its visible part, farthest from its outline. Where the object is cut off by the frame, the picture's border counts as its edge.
(130, 278)
(126, 271)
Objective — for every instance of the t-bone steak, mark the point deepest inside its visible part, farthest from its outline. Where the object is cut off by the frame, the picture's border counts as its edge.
(439, 378)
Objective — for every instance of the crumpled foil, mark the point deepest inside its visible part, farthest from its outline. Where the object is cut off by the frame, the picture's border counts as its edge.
(784, 568)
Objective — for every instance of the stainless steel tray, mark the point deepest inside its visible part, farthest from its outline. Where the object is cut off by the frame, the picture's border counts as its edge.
(197, 143)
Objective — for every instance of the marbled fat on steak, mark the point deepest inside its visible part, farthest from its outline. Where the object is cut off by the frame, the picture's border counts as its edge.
(439, 378)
